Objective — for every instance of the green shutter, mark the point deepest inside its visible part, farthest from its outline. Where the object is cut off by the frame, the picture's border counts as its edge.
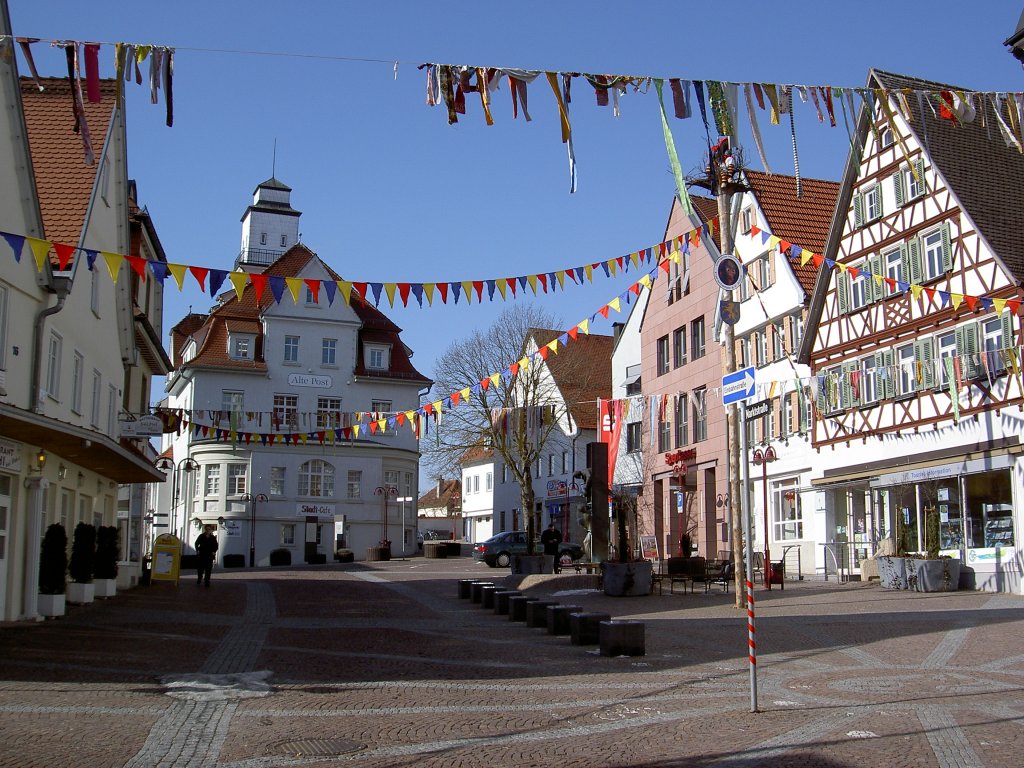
(967, 348)
(875, 292)
(850, 397)
(877, 192)
(947, 249)
(858, 210)
(1007, 323)
(843, 290)
(913, 261)
(899, 186)
(886, 384)
(924, 356)
(919, 165)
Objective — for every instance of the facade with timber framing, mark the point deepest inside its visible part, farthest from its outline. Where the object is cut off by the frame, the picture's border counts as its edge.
(914, 355)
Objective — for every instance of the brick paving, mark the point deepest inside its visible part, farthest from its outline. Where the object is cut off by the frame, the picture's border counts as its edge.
(381, 664)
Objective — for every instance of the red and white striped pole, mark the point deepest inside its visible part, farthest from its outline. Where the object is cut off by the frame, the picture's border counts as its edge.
(748, 556)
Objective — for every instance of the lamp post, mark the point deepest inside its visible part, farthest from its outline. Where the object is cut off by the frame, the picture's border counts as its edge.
(250, 498)
(165, 464)
(401, 500)
(761, 459)
(385, 491)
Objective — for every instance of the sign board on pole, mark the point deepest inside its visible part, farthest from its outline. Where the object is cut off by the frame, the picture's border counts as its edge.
(757, 410)
(738, 387)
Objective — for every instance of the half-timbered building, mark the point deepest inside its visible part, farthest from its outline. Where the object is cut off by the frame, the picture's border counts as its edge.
(913, 337)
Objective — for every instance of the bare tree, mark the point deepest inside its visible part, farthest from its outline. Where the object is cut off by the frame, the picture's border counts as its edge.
(514, 415)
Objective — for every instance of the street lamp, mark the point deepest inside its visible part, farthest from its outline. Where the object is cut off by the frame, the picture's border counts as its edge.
(385, 491)
(248, 497)
(401, 500)
(166, 464)
(761, 460)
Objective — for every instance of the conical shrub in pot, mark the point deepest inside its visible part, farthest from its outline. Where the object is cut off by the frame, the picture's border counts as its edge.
(83, 553)
(53, 561)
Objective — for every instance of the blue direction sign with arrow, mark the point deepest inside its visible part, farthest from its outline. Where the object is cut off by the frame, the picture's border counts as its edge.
(738, 387)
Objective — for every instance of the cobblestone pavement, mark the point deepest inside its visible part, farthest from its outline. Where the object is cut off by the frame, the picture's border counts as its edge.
(382, 664)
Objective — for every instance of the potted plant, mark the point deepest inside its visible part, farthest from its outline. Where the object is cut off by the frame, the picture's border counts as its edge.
(53, 571)
(105, 568)
(626, 576)
(933, 572)
(83, 555)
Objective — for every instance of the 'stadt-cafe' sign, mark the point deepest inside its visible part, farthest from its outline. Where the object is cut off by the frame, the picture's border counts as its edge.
(323, 511)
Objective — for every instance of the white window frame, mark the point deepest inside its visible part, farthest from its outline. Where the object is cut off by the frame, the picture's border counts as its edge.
(931, 254)
(376, 357)
(381, 407)
(77, 381)
(277, 481)
(698, 338)
(945, 346)
(489, 482)
(240, 347)
(211, 476)
(291, 349)
(232, 401)
(112, 409)
(868, 381)
(873, 203)
(905, 367)
(97, 386)
(992, 343)
(914, 187)
(286, 411)
(787, 515)
(287, 534)
(860, 291)
(353, 484)
(53, 357)
(237, 480)
(893, 265)
(329, 353)
(328, 412)
(316, 479)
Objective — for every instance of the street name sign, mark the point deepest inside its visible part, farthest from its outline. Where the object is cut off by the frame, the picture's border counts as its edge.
(738, 387)
(757, 410)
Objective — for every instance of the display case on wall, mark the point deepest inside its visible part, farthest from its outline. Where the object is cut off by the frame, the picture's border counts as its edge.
(998, 522)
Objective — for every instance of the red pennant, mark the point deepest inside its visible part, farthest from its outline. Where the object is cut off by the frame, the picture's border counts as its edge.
(200, 273)
(403, 292)
(259, 284)
(428, 408)
(604, 311)
(543, 282)
(64, 253)
(971, 302)
(514, 368)
(138, 265)
(755, 230)
(664, 266)
(891, 282)
(572, 274)
(442, 288)
(784, 245)
(321, 436)
(635, 288)
(1014, 305)
(662, 250)
(400, 418)
(360, 289)
(543, 352)
(314, 287)
(484, 384)
(945, 104)
(373, 427)
(817, 259)
(478, 286)
(456, 396)
(574, 332)
(930, 293)
(621, 260)
(511, 284)
(854, 271)
(247, 436)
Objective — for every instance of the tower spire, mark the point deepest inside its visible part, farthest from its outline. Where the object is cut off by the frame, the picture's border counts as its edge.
(273, 162)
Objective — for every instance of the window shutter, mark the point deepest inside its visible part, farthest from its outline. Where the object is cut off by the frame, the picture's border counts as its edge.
(843, 291)
(849, 398)
(1007, 323)
(899, 186)
(924, 358)
(787, 329)
(771, 266)
(919, 165)
(874, 267)
(913, 261)
(877, 192)
(858, 210)
(947, 249)
(886, 384)
(967, 348)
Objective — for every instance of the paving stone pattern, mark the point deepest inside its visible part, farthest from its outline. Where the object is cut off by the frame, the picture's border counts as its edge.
(382, 665)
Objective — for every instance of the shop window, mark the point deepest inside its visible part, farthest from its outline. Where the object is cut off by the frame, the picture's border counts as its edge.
(989, 509)
(786, 511)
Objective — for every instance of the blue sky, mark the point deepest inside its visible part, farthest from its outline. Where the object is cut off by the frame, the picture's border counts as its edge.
(390, 192)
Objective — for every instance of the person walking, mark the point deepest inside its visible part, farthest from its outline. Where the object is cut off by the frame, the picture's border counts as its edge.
(206, 549)
(550, 540)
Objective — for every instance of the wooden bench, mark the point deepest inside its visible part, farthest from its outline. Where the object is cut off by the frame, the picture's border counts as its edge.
(658, 580)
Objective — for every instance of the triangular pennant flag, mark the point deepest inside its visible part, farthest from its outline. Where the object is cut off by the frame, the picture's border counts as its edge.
(90, 260)
(584, 326)
(403, 293)
(389, 291)
(360, 289)
(604, 311)
(217, 277)
(294, 287)
(553, 346)
(465, 394)
(543, 282)
(442, 288)
(805, 256)
(331, 289)
(346, 290)
(495, 379)
(158, 268)
(113, 262)
(259, 285)
(511, 285)
(589, 272)
(428, 291)
(467, 290)
(560, 277)
(277, 287)
(532, 280)
(645, 281)
(573, 332)
(957, 298)
(314, 288)
(999, 305)
(200, 273)
(40, 251)
(456, 289)
(971, 302)
(238, 281)
(17, 242)
(64, 254)
(177, 271)
(615, 304)
(543, 352)
(417, 291)
(916, 291)
(1013, 305)
(502, 283)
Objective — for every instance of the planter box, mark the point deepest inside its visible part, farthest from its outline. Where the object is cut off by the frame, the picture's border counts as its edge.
(527, 564)
(104, 587)
(892, 572)
(51, 605)
(80, 594)
(941, 575)
(631, 579)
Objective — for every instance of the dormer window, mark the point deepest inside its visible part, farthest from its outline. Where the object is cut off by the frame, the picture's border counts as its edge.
(284, 240)
(886, 137)
(263, 238)
(376, 357)
(746, 219)
(240, 346)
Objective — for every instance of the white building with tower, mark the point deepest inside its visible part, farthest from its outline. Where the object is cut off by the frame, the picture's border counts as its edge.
(289, 438)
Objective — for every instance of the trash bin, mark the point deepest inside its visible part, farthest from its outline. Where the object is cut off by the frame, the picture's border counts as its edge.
(777, 574)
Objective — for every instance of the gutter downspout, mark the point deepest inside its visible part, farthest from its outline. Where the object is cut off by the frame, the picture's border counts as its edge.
(61, 286)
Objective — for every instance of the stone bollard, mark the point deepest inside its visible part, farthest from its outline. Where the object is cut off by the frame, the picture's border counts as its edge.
(622, 638)
(558, 618)
(464, 588)
(487, 595)
(537, 613)
(585, 628)
(475, 593)
(501, 598)
(517, 607)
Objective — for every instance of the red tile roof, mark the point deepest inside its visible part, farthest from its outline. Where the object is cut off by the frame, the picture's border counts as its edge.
(64, 182)
(432, 499)
(803, 220)
(582, 370)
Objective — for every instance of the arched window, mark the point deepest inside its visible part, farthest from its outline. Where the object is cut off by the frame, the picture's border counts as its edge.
(316, 478)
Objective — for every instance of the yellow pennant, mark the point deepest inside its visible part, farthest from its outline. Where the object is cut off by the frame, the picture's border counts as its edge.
(428, 291)
(805, 256)
(612, 266)
(524, 363)
(410, 417)
(178, 272)
(842, 267)
(40, 249)
(389, 289)
(616, 304)
(999, 305)
(346, 290)
(356, 428)
(584, 326)
(502, 284)
(465, 394)
(635, 258)
(302, 438)
(467, 288)
(239, 281)
(773, 241)
(589, 272)
(553, 346)
(645, 281)
(560, 276)
(771, 390)
(294, 286)
(878, 280)
(437, 407)
(916, 290)
(382, 425)
(957, 299)
(114, 262)
(532, 280)
(495, 379)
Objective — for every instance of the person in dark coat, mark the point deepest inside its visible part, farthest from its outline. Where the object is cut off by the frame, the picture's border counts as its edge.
(550, 540)
(206, 550)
